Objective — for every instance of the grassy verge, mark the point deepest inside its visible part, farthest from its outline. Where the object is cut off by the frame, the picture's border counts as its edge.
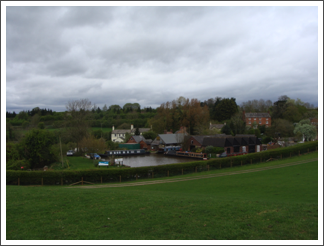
(277, 204)
(78, 163)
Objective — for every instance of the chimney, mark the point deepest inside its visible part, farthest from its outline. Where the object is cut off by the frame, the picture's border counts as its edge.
(165, 131)
(132, 126)
(171, 130)
(113, 128)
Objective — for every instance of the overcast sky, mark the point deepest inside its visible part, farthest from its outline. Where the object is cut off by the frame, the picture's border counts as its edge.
(150, 55)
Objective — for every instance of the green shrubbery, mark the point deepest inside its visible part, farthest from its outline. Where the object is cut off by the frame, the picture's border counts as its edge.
(17, 165)
(214, 150)
(114, 174)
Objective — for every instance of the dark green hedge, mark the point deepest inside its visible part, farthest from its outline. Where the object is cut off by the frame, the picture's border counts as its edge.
(127, 174)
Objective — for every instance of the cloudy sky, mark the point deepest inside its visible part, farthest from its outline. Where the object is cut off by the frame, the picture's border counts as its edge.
(150, 55)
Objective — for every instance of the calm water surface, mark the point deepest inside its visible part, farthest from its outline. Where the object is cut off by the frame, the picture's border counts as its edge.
(152, 160)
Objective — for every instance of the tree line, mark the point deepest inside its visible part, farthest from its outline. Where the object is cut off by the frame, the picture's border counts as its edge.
(41, 147)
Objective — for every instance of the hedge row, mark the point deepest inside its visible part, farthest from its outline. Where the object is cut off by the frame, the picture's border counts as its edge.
(127, 174)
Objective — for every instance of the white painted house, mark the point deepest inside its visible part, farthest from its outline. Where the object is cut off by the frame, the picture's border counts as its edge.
(118, 135)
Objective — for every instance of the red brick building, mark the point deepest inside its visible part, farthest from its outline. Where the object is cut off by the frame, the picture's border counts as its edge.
(144, 143)
(257, 118)
(241, 143)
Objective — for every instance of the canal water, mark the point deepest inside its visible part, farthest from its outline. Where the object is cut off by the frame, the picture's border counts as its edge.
(152, 160)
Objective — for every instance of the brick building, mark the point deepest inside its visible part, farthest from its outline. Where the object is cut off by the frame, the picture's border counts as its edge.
(257, 118)
(144, 143)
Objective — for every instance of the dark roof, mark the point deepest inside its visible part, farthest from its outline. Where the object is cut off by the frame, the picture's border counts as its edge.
(148, 141)
(200, 138)
(215, 141)
(138, 138)
(217, 126)
(257, 115)
(141, 130)
(121, 131)
(171, 138)
(155, 142)
(227, 140)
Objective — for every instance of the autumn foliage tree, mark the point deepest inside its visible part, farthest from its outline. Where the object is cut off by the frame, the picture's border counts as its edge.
(180, 112)
(90, 144)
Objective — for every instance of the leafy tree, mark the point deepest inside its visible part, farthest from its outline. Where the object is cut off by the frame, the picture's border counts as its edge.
(41, 125)
(279, 107)
(10, 115)
(131, 106)
(90, 144)
(137, 132)
(12, 152)
(237, 125)
(304, 127)
(149, 135)
(227, 129)
(35, 147)
(266, 140)
(112, 145)
(97, 133)
(114, 107)
(17, 164)
(209, 149)
(180, 112)
(124, 126)
(11, 133)
(225, 109)
(22, 115)
(280, 128)
(262, 128)
(127, 136)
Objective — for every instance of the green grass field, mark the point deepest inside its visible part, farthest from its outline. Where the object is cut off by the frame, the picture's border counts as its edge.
(78, 163)
(103, 129)
(277, 204)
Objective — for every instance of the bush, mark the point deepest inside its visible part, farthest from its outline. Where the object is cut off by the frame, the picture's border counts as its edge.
(41, 125)
(17, 164)
(215, 150)
(266, 140)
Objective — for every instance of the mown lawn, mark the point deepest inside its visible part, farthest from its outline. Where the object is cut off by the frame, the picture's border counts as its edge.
(277, 204)
(77, 163)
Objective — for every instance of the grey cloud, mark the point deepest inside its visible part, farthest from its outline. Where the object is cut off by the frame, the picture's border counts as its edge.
(155, 54)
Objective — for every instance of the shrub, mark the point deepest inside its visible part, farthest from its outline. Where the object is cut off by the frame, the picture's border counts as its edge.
(17, 164)
(41, 125)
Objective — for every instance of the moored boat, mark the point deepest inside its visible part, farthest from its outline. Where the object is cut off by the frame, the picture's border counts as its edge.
(124, 152)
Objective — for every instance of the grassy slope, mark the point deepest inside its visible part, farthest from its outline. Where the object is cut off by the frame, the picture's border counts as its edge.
(275, 204)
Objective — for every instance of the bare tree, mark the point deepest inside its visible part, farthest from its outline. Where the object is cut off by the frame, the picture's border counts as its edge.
(77, 126)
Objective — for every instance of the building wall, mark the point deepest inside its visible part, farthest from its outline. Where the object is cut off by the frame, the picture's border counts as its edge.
(259, 121)
(144, 145)
(193, 142)
(117, 138)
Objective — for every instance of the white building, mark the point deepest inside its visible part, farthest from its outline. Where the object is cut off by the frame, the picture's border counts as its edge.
(118, 135)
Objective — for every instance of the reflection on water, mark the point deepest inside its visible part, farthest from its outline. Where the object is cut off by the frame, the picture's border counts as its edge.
(152, 160)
